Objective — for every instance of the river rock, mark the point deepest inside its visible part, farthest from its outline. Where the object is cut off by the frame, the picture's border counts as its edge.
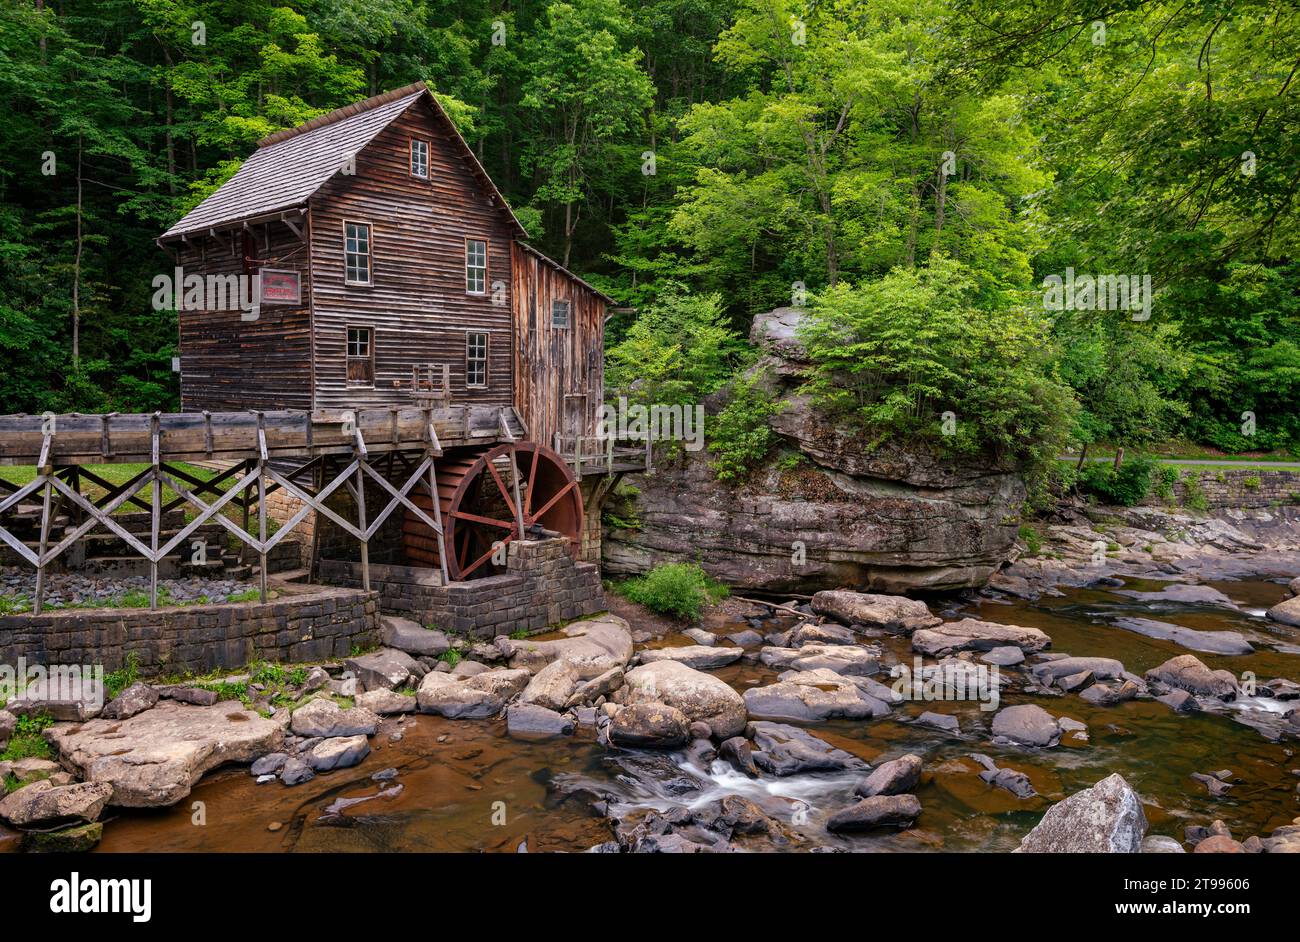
(970, 634)
(42, 804)
(749, 638)
(270, 764)
(384, 702)
(1110, 694)
(738, 751)
(1187, 672)
(340, 752)
(1294, 586)
(593, 646)
(1287, 612)
(1106, 818)
(1184, 594)
(552, 686)
(65, 700)
(1011, 780)
(134, 699)
(467, 668)
(808, 633)
(1208, 642)
(855, 660)
(1219, 844)
(74, 840)
(8, 723)
(1103, 668)
(476, 697)
(891, 778)
(941, 721)
(591, 690)
(31, 769)
(698, 695)
(699, 656)
(325, 718)
(895, 811)
(387, 668)
(1160, 844)
(892, 613)
(530, 721)
(296, 771)
(649, 726)
(1180, 701)
(1026, 724)
(1007, 656)
(402, 634)
(812, 697)
(1284, 840)
(154, 758)
(783, 750)
(700, 636)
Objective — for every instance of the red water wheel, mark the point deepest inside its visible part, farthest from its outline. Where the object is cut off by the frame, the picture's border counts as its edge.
(476, 493)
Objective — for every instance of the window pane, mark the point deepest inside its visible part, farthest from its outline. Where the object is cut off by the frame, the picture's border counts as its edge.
(559, 313)
(356, 252)
(476, 349)
(475, 266)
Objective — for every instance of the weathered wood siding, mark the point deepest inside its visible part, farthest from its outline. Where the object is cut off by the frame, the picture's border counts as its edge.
(417, 303)
(559, 371)
(228, 363)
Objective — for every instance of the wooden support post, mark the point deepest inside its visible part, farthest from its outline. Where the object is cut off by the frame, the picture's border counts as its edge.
(313, 565)
(577, 455)
(649, 451)
(244, 507)
(155, 512)
(609, 455)
(261, 502)
(45, 538)
(360, 446)
(437, 518)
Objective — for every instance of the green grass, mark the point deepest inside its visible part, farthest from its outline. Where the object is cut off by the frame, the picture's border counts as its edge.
(119, 474)
(27, 741)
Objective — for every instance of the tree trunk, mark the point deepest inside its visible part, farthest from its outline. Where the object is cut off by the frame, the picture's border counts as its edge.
(76, 275)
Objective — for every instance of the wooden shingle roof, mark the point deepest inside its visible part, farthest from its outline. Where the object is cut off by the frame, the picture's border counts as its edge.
(290, 165)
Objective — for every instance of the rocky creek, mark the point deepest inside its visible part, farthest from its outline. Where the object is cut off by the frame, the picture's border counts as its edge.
(468, 784)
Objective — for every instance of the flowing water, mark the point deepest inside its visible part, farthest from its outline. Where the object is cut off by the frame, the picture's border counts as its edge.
(467, 787)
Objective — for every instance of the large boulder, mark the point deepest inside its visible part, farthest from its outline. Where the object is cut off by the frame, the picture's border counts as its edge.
(387, 669)
(879, 811)
(1208, 642)
(339, 753)
(383, 702)
(134, 699)
(530, 721)
(649, 725)
(699, 656)
(325, 718)
(1026, 725)
(699, 696)
(1106, 818)
(1294, 586)
(971, 634)
(848, 659)
(892, 613)
(482, 695)
(403, 634)
(1101, 668)
(1187, 672)
(894, 777)
(155, 757)
(43, 804)
(8, 723)
(68, 700)
(591, 646)
(1287, 612)
(812, 697)
(780, 749)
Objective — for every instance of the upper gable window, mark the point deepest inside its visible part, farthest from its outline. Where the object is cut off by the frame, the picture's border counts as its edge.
(559, 313)
(419, 158)
(475, 266)
(356, 253)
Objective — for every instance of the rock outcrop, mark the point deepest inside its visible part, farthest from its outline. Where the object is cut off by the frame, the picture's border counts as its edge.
(884, 518)
(1104, 819)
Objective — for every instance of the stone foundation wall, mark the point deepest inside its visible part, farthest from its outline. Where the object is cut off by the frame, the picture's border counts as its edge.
(1223, 488)
(542, 586)
(318, 624)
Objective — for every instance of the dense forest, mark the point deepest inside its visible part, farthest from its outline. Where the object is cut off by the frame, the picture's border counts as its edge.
(913, 171)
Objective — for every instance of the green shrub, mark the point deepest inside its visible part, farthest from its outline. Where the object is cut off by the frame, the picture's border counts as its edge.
(1166, 476)
(117, 681)
(28, 741)
(1251, 483)
(1033, 542)
(739, 436)
(680, 590)
(1195, 497)
(1125, 486)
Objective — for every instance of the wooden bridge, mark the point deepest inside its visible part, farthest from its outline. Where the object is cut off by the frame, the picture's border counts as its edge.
(308, 455)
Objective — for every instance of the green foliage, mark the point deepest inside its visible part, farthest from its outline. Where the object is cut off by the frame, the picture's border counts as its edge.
(1033, 542)
(1125, 486)
(28, 741)
(898, 353)
(1165, 477)
(1193, 495)
(680, 590)
(452, 656)
(1251, 483)
(740, 437)
(117, 681)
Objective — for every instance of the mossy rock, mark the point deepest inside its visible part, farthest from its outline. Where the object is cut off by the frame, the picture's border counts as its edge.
(73, 840)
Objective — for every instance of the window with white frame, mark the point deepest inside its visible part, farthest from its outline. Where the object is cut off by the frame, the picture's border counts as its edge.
(361, 356)
(559, 313)
(475, 266)
(419, 158)
(476, 358)
(356, 253)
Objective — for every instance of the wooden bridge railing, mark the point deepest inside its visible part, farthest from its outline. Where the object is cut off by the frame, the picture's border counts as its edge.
(601, 454)
(173, 439)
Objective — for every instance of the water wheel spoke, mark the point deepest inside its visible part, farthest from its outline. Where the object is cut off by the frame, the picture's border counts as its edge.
(501, 487)
(532, 476)
(554, 500)
(485, 557)
(488, 521)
